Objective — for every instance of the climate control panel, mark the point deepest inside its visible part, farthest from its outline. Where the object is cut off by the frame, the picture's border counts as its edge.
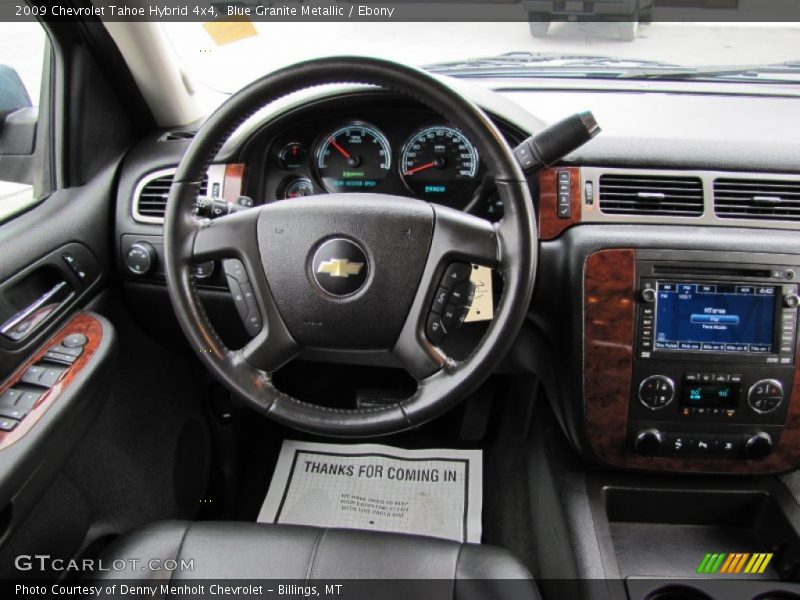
(732, 411)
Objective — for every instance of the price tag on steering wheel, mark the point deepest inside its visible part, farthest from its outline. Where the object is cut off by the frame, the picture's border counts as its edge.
(482, 308)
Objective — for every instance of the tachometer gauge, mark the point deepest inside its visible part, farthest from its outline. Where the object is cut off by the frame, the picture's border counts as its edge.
(353, 158)
(440, 162)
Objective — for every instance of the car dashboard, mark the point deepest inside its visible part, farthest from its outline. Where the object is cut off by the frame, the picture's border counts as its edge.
(654, 201)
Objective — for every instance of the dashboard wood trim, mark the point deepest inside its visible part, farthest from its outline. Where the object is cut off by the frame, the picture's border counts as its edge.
(233, 182)
(550, 225)
(81, 323)
(609, 319)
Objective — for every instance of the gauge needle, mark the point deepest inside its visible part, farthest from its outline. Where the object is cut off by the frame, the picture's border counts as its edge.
(429, 165)
(343, 152)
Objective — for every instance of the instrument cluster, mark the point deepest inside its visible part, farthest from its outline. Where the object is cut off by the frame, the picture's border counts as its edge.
(407, 153)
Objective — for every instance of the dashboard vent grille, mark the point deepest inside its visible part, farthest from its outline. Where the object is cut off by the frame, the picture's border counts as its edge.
(151, 196)
(651, 195)
(178, 135)
(777, 199)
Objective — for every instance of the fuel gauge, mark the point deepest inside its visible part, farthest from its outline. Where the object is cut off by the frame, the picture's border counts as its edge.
(292, 156)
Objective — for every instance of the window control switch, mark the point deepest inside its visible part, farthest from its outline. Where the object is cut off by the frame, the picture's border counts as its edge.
(51, 375)
(7, 424)
(32, 375)
(10, 397)
(28, 399)
(58, 358)
(13, 412)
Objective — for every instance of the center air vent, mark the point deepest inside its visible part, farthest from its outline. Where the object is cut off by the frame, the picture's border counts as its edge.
(777, 199)
(150, 199)
(651, 195)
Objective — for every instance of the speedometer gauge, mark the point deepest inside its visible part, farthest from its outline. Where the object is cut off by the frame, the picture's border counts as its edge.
(353, 158)
(440, 162)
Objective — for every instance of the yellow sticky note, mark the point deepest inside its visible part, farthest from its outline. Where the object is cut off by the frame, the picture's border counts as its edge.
(226, 32)
(482, 308)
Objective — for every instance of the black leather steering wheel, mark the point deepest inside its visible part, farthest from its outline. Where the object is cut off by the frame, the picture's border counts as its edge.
(403, 244)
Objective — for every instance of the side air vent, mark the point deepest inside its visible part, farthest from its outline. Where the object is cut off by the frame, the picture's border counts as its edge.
(651, 195)
(150, 198)
(775, 199)
(176, 136)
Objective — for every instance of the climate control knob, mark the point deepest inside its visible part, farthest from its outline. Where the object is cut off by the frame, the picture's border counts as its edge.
(758, 446)
(765, 396)
(141, 258)
(656, 391)
(648, 442)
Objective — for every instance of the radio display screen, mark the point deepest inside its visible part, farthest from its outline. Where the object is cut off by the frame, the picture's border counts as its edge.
(715, 317)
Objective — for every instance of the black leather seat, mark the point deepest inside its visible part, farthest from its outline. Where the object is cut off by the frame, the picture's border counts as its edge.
(238, 550)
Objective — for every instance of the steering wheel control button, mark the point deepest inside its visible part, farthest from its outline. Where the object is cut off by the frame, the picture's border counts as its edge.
(244, 298)
(233, 267)
(435, 329)
(463, 294)
(340, 267)
(440, 300)
(456, 273)
(656, 391)
(75, 340)
(765, 396)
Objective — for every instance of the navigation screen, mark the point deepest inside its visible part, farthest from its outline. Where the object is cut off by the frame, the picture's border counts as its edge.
(715, 317)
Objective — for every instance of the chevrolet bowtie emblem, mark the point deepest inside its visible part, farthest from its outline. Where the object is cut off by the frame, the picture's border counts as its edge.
(340, 267)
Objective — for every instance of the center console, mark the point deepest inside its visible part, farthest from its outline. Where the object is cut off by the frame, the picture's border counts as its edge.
(697, 352)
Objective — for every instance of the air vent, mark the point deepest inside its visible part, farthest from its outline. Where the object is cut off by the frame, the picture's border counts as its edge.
(150, 199)
(176, 136)
(651, 195)
(776, 199)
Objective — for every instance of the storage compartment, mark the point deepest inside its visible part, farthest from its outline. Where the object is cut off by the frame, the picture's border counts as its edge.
(668, 533)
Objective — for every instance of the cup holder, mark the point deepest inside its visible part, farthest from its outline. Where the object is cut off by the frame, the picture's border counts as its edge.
(678, 592)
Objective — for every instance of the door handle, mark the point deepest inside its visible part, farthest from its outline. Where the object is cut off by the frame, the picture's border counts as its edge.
(21, 324)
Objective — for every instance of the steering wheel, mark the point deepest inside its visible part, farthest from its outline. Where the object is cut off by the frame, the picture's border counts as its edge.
(350, 271)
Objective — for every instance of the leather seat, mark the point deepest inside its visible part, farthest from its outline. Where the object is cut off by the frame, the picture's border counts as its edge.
(239, 550)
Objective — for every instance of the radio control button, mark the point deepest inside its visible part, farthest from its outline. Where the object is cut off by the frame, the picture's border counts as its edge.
(648, 295)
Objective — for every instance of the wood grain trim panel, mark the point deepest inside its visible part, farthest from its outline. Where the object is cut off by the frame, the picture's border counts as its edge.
(550, 226)
(609, 313)
(80, 323)
(609, 284)
(233, 183)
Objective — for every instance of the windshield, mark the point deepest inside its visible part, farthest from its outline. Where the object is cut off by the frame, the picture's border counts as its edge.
(224, 61)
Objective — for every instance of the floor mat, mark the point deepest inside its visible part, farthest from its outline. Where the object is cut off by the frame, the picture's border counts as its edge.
(369, 486)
